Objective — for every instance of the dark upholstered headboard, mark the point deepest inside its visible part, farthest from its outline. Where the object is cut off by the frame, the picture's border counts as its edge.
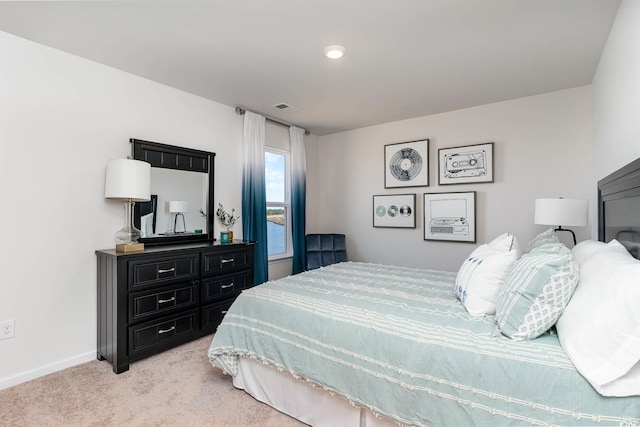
(619, 207)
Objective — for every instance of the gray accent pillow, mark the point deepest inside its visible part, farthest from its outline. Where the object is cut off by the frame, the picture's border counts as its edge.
(536, 291)
(547, 236)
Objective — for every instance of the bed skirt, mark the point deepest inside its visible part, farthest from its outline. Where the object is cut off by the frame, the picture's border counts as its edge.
(301, 400)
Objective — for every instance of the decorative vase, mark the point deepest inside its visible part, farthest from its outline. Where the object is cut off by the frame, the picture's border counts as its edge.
(224, 237)
(230, 235)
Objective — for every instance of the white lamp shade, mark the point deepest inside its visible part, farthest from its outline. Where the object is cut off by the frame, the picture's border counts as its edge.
(568, 212)
(177, 206)
(128, 179)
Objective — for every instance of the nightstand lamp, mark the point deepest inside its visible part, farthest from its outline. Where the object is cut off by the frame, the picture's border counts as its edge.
(560, 211)
(130, 181)
(178, 207)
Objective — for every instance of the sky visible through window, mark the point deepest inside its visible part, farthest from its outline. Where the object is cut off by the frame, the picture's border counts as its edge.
(275, 192)
(274, 177)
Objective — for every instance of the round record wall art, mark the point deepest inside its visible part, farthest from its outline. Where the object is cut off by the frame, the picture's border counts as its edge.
(407, 164)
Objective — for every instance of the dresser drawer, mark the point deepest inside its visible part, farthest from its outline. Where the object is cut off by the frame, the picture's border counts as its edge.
(162, 270)
(149, 335)
(142, 305)
(217, 262)
(225, 286)
(213, 314)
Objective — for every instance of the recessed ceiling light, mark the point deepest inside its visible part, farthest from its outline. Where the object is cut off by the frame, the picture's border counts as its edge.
(334, 52)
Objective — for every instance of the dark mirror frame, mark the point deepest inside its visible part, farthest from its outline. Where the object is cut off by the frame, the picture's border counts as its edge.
(179, 158)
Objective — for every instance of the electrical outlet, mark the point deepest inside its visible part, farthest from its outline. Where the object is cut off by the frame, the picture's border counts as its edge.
(7, 329)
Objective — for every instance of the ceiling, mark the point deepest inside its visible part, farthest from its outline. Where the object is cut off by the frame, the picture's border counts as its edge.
(405, 58)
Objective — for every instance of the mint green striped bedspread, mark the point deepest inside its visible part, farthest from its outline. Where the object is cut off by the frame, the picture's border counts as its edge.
(397, 341)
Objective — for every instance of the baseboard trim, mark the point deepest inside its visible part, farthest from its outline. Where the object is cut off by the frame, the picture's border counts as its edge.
(46, 370)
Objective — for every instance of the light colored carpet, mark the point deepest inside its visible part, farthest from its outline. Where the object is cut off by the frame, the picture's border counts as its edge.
(178, 387)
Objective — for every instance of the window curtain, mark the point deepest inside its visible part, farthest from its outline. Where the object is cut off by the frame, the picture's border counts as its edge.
(298, 198)
(254, 199)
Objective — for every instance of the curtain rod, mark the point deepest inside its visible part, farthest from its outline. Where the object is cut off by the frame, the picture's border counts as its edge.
(241, 111)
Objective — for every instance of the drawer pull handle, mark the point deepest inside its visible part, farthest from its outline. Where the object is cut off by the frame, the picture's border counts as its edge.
(169, 270)
(162, 301)
(166, 330)
(227, 286)
(224, 261)
(224, 311)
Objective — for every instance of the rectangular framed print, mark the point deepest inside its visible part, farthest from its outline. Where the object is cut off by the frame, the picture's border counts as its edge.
(406, 164)
(397, 210)
(468, 164)
(450, 217)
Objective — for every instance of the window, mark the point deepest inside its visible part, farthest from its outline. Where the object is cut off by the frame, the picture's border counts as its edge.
(278, 204)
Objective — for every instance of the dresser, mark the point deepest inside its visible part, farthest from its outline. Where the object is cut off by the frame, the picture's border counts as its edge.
(165, 296)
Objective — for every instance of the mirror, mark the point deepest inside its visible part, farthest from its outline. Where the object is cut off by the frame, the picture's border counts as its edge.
(157, 219)
(181, 205)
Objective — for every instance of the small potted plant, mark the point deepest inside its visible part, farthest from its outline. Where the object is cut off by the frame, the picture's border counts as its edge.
(227, 220)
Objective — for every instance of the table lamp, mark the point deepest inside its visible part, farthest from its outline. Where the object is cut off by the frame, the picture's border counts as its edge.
(130, 181)
(178, 207)
(560, 211)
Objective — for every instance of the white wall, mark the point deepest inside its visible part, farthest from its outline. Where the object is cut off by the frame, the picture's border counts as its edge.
(61, 119)
(616, 88)
(543, 148)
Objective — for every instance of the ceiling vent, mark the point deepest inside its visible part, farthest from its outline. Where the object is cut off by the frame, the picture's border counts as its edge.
(284, 107)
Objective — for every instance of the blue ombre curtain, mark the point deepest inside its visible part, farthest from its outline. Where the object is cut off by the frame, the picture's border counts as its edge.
(254, 199)
(298, 197)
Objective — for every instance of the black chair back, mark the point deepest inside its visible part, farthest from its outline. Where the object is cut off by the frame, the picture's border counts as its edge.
(325, 249)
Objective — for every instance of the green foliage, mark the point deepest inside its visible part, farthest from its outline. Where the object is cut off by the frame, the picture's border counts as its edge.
(226, 219)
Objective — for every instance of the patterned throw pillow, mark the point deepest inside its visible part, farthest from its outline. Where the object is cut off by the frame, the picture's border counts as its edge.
(547, 236)
(482, 273)
(536, 291)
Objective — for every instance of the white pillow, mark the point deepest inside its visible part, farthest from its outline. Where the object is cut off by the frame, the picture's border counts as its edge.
(504, 243)
(600, 328)
(586, 248)
(482, 274)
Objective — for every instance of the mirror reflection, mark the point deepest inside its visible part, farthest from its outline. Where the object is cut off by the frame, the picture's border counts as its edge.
(177, 205)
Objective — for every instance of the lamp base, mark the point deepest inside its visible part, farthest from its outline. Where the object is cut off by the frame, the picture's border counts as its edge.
(570, 231)
(130, 247)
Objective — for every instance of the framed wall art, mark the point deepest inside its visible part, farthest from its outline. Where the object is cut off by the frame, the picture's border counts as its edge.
(468, 164)
(397, 210)
(450, 217)
(406, 164)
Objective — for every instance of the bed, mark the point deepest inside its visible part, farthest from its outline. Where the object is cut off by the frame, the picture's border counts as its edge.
(358, 344)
